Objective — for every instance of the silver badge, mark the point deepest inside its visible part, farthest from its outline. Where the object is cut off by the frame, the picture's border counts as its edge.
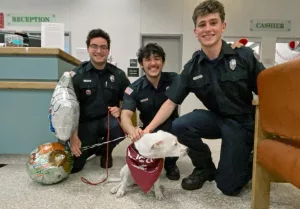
(144, 100)
(167, 87)
(112, 78)
(232, 64)
(197, 77)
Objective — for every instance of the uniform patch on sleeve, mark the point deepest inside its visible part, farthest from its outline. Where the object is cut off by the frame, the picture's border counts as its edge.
(72, 73)
(128, 90)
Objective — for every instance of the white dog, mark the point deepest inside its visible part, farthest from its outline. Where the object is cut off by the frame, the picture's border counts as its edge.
(144, 162)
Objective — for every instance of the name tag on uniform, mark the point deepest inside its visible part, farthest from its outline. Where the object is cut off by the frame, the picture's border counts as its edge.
(144, 100)
(86, 81)
(197, 77)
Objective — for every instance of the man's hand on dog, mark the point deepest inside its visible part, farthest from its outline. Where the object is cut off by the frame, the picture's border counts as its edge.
(115, 111)
(146, 130)
(135, 134)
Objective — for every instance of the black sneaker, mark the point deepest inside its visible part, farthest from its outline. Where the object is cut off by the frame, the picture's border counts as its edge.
(103, 161)
(172, 173)
(75, 170)
(197, 179)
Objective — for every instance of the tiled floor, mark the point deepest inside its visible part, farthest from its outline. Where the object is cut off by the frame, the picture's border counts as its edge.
(18, 191)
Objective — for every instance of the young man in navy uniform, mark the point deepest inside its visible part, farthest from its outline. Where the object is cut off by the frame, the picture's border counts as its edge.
(147, 94)
(223, 79)
(99, 87)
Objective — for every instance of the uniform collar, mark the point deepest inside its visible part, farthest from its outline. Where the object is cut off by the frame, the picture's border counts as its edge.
(90, 66)
(146, 82)
(225, 50)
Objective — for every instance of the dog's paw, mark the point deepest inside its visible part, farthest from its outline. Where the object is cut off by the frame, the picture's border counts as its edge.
(114, 189)
(159, 195)
(120, 192)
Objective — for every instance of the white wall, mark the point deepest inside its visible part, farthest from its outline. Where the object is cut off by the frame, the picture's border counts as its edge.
(161, 16)
(121, 19)
(126, 20)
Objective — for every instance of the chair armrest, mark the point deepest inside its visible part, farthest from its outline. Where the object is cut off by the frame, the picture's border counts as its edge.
(255, 102)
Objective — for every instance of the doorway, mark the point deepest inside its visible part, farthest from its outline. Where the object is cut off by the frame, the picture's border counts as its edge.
(172, 45)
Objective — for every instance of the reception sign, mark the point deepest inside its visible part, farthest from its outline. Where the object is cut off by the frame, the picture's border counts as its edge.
(28, 19)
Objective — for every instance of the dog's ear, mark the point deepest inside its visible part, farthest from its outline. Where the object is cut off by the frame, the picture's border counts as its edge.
(157, 144)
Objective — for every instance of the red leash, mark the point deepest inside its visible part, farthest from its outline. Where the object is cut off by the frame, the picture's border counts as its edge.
(107, 146)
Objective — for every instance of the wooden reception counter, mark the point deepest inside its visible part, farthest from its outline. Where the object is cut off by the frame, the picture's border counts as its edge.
(28, 77)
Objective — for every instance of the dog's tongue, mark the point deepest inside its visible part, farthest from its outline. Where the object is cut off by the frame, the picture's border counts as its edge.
(145, 171)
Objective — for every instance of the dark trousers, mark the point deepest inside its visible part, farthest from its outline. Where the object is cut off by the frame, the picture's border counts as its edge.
(235, 165)
(91, 132)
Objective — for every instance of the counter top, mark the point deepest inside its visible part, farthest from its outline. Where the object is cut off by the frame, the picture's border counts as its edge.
(38, 51)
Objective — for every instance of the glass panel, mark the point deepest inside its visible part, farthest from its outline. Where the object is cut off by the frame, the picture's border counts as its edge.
(253, 43)
(36, 42)
(283, 51)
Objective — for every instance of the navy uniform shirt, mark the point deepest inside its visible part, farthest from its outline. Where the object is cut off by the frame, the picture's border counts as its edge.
(142, 95)
(223, 85)
(98, 89)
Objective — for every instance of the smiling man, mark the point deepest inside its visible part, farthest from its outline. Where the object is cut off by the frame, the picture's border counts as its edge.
(223, 79)
(147, 94)
(99, 87)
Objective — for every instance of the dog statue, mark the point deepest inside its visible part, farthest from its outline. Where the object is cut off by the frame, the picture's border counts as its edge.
(144, 162)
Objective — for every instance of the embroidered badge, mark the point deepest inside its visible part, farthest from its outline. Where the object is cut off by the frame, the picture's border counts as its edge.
(197, 77)
(144, 100)
(112, 78)
(128, 90)
(145, 171)
(232, 64)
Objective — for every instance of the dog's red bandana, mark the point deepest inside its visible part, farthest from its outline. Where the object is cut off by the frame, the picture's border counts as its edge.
(145, 171)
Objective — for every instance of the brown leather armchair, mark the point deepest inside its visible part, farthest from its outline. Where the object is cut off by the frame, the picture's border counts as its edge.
(277, 131)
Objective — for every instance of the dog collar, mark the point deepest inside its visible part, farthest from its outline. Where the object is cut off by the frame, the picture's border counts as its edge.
(145, 171)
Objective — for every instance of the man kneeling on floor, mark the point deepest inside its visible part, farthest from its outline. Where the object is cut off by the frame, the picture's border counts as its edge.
(223, 79)
(147, 95)
(99, 87)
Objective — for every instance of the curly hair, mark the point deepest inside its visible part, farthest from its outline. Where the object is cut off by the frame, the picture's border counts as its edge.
(148, 50)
